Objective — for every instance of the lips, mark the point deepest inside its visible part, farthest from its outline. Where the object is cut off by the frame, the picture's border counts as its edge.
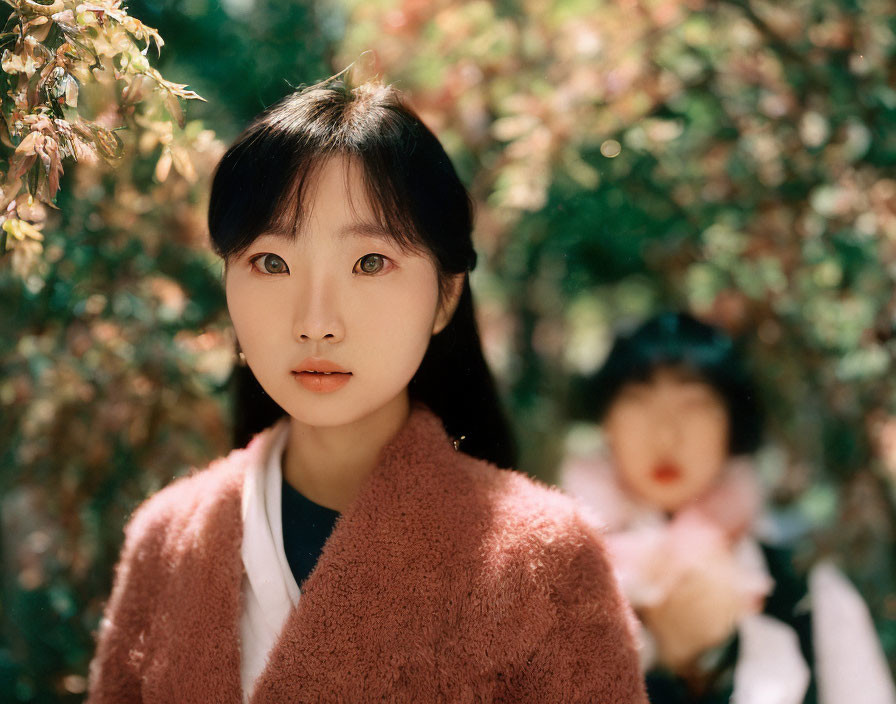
(666, 473)
(321, 375)
(317, 364)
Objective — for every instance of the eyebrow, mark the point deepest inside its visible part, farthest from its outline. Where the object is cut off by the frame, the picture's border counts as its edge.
(366, 229)
(359, 229)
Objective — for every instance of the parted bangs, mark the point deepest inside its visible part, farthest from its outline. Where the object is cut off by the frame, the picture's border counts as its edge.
(264, 181)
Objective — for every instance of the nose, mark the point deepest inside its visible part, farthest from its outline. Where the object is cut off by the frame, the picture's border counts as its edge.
(317, 314)
(666, 432)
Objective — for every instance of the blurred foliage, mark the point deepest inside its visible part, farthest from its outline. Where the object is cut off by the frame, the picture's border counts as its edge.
(242, 55)
(115, 348)
(730, 157)
(51, 48)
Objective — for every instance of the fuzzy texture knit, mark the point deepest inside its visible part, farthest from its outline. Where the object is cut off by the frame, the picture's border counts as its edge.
(446, 580)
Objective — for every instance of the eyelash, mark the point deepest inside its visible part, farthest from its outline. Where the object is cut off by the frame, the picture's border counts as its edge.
(253, 262)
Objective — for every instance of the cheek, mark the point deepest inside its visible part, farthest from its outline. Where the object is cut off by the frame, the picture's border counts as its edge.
(252, 315)
(394, 324)
(626, 430)
(236, 307)
(705, 444)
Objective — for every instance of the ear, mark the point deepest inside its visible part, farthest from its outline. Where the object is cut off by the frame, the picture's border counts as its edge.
(449, 303)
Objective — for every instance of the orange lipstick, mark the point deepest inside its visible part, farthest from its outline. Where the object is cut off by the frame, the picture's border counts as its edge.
(321, 375)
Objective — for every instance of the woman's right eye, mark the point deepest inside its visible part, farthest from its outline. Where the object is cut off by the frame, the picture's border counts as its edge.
(269, 264)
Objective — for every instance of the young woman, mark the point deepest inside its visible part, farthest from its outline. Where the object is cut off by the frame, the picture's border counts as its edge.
(363, 547)
(725, 616)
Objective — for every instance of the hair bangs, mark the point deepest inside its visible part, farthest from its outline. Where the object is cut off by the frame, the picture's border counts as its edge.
(263, 183)
(258, 187)
(385, 194)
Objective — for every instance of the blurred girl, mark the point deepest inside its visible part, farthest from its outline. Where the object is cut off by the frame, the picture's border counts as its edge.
(725, 617)
(351, 553)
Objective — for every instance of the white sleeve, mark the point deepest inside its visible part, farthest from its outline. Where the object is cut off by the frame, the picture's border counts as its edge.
(848, 656)
(770, 668)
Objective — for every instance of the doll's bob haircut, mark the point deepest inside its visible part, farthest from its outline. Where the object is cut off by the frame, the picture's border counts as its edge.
(679, 342)
(259, 186)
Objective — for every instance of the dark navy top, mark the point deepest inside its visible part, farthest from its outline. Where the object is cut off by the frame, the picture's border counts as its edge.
(306, 527)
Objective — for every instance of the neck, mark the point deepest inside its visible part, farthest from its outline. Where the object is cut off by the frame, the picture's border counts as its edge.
(328, 465)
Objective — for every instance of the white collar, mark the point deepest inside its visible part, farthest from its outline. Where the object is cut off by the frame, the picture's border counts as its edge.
(269, 589)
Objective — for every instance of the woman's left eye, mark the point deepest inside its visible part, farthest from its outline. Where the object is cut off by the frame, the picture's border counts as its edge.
(371, 264)
(270, 264)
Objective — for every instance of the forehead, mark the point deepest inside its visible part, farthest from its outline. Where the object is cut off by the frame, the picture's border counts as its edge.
(674, 377)
(332, 196)
(331, 190)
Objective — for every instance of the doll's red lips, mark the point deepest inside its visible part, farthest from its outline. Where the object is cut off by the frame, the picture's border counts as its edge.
(666, 473)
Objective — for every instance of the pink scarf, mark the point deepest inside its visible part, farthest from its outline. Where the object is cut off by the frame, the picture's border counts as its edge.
(651, 551)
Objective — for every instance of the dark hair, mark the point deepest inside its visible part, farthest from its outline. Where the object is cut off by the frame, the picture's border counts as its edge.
(415, 193)
(680, 341)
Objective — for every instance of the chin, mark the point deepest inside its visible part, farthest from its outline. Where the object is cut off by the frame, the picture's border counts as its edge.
(324, 415)
(667, 500)
(332, 410)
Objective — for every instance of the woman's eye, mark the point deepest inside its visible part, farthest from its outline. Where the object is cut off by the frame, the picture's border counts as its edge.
(370, 264)
(270, 264)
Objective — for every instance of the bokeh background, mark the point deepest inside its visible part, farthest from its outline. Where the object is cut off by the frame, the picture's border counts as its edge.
(736, 158)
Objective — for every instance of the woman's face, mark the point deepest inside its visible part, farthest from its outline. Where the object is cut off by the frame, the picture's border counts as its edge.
(668, 437)
(334, 322)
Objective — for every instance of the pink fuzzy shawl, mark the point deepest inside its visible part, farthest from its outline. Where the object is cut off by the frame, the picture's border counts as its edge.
(447, 580)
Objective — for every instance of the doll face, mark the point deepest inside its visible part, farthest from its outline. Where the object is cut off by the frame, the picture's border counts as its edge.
(334, 322)
(668, 437)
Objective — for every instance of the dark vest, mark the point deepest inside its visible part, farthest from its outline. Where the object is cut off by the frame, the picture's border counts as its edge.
(788, 603)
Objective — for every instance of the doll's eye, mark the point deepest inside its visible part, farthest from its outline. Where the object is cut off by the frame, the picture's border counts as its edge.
(699, 402)
(270, 264)
(370, 264)
(634, 393)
